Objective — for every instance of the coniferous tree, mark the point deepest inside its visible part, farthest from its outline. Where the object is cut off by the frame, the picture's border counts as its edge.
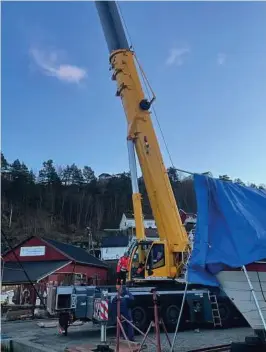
(48, 174)
(88, 174)
(70, 199)
(4, 163)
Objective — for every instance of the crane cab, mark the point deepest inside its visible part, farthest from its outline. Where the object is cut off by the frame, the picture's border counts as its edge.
(157, 263)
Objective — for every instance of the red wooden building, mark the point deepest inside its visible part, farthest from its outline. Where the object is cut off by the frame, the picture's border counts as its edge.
(47, 262)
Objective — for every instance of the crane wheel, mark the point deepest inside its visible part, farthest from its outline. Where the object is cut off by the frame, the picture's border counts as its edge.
(139, 317)
(170, 317)
(225, 313)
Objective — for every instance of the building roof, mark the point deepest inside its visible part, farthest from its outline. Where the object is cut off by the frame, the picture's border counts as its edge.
(115, 241)
(14, 274)
(130, 215)
(76, 253)
(104, 175)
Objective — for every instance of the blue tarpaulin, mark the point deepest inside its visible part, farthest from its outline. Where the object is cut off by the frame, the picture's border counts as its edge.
(231, 228)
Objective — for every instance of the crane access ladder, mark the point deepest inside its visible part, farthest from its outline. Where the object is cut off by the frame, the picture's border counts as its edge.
(217, 321)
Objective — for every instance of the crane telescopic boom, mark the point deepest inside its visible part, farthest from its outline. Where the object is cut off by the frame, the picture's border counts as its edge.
(142, 137)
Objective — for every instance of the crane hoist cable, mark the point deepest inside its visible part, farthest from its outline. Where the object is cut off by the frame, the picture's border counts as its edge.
(151, 96)
(147, 86)
(148, 90)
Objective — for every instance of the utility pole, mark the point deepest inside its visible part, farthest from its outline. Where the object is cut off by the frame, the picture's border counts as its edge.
(91, 249)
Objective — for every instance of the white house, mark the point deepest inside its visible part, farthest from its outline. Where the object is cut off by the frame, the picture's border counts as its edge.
(128, 221)
(116, 244)
(113, 247)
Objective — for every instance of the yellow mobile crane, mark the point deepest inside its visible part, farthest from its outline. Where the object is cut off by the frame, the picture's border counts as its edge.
(163, 258)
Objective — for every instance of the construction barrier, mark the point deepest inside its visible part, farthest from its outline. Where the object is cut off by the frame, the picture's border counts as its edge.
(101, 309)
(101, 314)
(104, 310)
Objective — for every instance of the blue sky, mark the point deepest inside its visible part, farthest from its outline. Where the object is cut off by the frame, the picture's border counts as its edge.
(205, 61)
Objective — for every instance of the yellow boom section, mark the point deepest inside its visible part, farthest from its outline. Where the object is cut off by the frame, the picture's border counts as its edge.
(141, 131)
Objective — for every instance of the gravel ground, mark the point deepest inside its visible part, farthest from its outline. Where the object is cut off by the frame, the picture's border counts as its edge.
(84, 334)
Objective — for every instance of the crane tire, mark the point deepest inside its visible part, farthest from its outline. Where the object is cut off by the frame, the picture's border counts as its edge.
(170, 317)
(139, 317)
(226, 314)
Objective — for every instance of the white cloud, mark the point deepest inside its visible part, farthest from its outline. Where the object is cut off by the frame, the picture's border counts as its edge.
(221, 58)
(49, 64)
(176, 56)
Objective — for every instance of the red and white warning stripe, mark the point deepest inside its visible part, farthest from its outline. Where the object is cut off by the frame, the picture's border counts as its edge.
(104, 310)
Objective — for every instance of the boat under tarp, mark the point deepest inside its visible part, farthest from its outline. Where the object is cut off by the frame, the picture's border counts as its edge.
(230, 231)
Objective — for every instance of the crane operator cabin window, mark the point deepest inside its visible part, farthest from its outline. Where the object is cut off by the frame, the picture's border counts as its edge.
(158, 257)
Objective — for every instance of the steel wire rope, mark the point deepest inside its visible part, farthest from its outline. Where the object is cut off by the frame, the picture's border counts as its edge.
(147, 88)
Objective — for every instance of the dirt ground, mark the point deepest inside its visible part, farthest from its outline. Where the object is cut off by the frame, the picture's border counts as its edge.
(78, 335)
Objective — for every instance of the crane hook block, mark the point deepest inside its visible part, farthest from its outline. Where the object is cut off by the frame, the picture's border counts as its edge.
(144, 104)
